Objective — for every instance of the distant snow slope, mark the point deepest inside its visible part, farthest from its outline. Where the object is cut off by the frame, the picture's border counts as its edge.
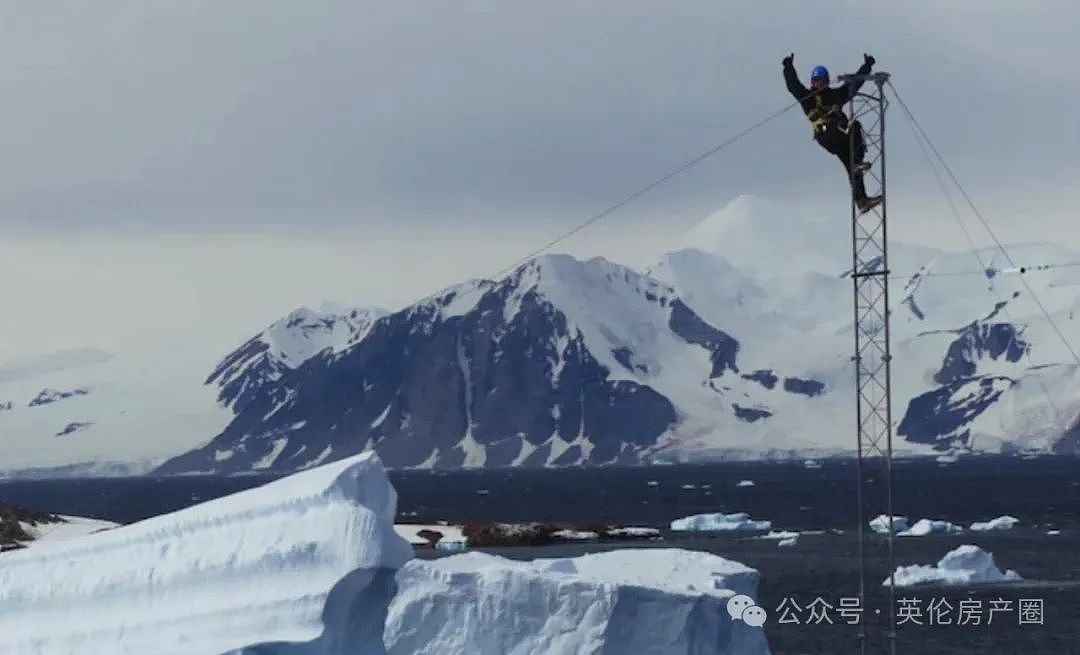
(117, 414)
(87, 412)
(69, 528)
(307, 559)
(643, 601)
(51, 363)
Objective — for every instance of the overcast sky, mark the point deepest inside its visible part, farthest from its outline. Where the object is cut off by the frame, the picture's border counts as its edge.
(168, 166)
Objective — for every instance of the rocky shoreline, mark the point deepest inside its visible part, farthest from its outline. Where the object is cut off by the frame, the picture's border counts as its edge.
(14, 522)
(483, 534)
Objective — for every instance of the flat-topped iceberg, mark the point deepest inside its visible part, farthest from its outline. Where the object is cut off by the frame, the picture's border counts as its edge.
(648, 601)
(718, 522)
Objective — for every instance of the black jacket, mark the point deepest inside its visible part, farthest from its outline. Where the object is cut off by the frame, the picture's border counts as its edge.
(824, 105)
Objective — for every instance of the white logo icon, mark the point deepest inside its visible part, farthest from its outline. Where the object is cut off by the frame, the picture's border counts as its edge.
(742, 608)
(754, 616)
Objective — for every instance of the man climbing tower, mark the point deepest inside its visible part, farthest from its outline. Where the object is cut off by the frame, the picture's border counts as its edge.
(824, 106)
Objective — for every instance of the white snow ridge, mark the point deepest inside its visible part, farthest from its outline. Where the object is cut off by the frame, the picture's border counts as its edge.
(308, 559)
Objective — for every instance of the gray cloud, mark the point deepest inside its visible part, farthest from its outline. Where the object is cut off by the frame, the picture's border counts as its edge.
(232, 160)
(159, 115)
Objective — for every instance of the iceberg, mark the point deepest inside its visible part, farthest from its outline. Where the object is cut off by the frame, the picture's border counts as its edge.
(780, 535)
(1000, 523)
(880, 524)
(633, 532)
(783, 538)
(312, 564)
(307, 561)
(925, 527)
(964, 565)
(718, 522)
(648, 601)
(575, 535)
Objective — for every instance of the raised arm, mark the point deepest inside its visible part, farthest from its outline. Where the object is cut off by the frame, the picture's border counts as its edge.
(791, 78)
(868, 63)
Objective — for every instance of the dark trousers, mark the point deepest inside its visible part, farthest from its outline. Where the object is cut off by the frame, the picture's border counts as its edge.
(837, 141)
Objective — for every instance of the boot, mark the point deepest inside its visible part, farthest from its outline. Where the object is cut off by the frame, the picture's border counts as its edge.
(866, 204)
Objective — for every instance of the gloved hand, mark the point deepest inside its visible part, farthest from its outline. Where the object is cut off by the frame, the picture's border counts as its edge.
(789, 59)
(868, 59)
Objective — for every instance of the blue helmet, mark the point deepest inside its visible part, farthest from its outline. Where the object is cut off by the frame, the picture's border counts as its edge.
(819, 73)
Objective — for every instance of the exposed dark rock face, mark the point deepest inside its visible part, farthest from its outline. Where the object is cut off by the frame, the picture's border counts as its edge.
(13, 533)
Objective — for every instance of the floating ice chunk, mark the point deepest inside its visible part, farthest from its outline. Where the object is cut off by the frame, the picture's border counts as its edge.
(634, 532)
(880, 524)
(718, 522)
(783, 538)
(1000, 523)
(575, 535)
(963, 565)
(745, 483)
(780, 535)
(925, 527)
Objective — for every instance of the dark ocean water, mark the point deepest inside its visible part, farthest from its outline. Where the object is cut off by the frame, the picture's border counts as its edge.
(1043, 493)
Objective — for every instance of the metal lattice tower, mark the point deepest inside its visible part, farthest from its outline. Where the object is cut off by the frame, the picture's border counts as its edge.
(870, 275)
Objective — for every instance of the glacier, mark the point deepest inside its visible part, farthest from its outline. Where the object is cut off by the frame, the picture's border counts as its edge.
(648, 601)
(308, 560)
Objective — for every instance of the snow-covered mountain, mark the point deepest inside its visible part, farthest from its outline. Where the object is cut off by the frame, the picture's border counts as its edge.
(735, 345)
(975, 362)
(256, 367)
(562, 362)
